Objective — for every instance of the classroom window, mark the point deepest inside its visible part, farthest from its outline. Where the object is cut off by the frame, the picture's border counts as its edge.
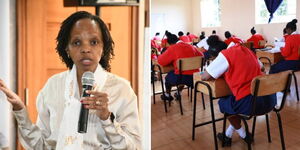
(285, 12)
(210, 13)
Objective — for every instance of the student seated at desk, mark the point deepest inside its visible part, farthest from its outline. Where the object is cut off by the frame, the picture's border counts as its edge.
(156, 37)
(164, 42)
(172, 54)
(238, 74)
(255, 38)
(183, 38)
(215, 46)
(230, 38)
(203, 42)
(191, 36)
(290, 51)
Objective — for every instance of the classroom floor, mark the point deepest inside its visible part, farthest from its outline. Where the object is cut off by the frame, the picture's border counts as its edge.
(173, 131)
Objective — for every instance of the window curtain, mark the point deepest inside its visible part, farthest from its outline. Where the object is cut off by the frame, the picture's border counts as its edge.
(272, 6)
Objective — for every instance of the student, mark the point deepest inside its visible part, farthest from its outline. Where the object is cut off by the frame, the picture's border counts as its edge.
(174, 52)
(284, 36)
(255, 38)
(164, 42)
(238, 74)
(156, 37)
(215, 46)
(290, 51)
(183, 38)
(213, 32)
(191, 36)
(230, 38)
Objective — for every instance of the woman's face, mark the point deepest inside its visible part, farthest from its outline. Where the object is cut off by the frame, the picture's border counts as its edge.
(86, 45)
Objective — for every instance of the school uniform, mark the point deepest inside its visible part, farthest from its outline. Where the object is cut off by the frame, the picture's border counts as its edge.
(255, 39)
(234, 40)
(239, 66)
(185, 38)
(164, 43)
(291, 55)
(192, 36)
(156, 38)
(203, 44)
(171, 55)
(155, 45)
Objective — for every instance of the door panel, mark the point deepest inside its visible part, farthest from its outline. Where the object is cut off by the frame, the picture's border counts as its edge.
(114, 17)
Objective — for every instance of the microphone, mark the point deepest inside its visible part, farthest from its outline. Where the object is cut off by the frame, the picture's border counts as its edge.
(87, 81)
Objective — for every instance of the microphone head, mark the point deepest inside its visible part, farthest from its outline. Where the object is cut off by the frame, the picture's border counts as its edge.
(88, 78)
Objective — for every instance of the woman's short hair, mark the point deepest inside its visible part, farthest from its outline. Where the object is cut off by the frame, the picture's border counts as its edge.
(64, 34)
(292, 25)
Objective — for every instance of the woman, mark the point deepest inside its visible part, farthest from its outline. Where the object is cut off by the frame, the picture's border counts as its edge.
(291, 50)
(84, 44)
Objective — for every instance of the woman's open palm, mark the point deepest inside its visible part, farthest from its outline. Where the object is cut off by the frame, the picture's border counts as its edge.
(12, 97)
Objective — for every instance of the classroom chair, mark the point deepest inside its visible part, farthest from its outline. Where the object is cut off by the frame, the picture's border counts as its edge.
(262, 86)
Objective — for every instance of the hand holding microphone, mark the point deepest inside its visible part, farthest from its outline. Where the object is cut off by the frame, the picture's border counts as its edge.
(98, 102)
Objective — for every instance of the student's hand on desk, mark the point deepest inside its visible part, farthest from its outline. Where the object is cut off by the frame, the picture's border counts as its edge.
(205, 76)
(12, 97)
(99, 102)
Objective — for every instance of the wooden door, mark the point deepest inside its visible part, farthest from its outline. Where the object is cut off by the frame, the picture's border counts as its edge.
(38, 24)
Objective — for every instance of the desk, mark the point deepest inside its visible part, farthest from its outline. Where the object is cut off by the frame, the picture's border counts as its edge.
(162, 69)
(215, 89)
(274, 57)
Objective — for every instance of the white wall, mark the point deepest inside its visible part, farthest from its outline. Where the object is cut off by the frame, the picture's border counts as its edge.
(238, 16)
(171, 15)
(7, 66)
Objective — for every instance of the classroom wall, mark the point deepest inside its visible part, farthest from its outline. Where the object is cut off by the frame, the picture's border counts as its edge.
(238, 17)
(171, 15)
(7, 67)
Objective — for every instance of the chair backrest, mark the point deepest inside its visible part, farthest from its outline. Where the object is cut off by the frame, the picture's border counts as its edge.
(270, 84)
(196, 40)
(189, 63)
(248, 45)
(262, 43)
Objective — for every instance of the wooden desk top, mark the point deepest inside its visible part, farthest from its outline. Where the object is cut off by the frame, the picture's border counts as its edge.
(164, 69)
(219, 86)
(274, 57)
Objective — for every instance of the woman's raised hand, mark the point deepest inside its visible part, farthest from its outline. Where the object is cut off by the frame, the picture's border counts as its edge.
(12, 97)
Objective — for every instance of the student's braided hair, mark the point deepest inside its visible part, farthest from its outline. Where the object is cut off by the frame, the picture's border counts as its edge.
(292, 25)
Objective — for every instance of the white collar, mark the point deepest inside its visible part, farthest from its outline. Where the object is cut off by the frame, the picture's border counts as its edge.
(295, 32)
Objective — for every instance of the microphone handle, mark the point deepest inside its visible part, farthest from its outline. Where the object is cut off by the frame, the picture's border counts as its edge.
(84, 113)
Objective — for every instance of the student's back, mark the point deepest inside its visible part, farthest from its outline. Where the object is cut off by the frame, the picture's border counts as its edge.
(243, 67)
(291, 49)
(177, 51)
